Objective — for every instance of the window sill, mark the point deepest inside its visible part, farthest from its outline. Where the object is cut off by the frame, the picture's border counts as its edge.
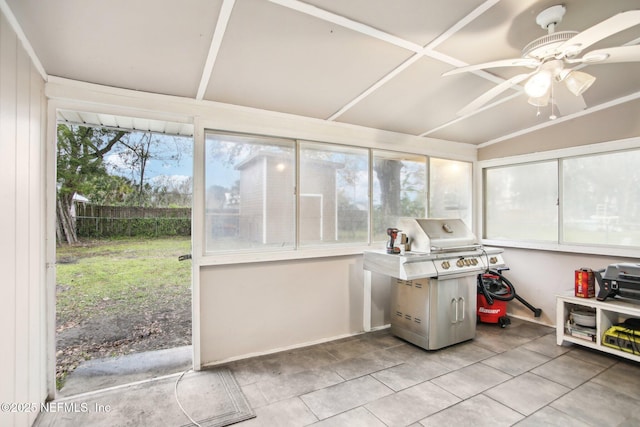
(285, 255)
(574, 249)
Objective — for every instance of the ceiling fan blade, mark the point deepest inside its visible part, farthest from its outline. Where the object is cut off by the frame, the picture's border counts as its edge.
(492, 93)
(594, 34)
(613, 54)
(515, 62)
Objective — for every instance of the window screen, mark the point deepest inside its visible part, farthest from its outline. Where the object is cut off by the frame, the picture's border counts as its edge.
(334, 194)
(399, 189)
(521, 202)
(450, 194)
(249, 199)
(601, 200)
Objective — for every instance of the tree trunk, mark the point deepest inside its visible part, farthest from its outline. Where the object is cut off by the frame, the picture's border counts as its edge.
(66, 224)
(388, 172)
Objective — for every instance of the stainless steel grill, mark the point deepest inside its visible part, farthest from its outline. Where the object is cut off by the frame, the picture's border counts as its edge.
(433, 299)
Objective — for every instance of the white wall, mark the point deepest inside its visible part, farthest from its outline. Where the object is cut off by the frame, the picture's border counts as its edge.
(22, 287)
(258, 308)
(539, 275)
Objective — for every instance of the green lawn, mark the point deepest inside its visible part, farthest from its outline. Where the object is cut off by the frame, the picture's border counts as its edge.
(118, 276)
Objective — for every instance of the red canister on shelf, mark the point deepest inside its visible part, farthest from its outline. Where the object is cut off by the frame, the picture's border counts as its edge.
(585, 283)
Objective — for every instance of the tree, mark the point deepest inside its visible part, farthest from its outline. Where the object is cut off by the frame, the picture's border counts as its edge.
(134, 154)
(388, 173)
(80, 154)
(111, 190)
(171, 191)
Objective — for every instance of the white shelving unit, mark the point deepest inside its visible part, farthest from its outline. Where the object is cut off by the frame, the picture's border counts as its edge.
(608, 313)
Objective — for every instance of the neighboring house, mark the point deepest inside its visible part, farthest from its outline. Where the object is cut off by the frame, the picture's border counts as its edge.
(260, 204)
(77, 198)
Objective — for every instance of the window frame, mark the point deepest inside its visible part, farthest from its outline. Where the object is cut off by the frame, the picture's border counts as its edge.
(561, 189)
(558, 155)
(431, 168)
(259, 139)
(372, 174)
(300, 246)
(557, 165)
(298, 251)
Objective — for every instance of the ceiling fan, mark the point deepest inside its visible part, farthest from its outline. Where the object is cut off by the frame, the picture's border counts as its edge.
(552, 56)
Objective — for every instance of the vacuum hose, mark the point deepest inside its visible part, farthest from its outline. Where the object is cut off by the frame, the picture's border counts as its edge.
(494, 285)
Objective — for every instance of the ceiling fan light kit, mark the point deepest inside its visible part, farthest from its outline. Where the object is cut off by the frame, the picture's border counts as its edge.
(538, 84)
(540, 101)
(550, 54)
(578, 82)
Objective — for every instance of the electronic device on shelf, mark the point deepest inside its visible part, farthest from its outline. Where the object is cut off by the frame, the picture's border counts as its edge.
(624, 336)
(621, 279)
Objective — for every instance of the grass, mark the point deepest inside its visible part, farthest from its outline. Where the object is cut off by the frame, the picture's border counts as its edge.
(119, 275)
(125, 279)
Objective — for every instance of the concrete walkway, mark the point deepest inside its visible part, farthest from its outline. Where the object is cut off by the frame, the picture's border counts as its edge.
(97, 374)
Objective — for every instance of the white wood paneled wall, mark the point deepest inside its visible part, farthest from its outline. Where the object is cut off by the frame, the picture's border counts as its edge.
(23, 376)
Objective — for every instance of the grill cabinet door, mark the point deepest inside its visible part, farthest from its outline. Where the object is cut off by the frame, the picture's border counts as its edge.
(453, 308)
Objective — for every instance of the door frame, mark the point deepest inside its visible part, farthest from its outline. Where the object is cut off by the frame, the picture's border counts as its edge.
(53, 106)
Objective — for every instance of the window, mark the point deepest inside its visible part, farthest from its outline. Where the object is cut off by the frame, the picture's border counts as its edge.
(249, 200)
(268, 194)
(334, 194)
(399, 189)
(521, 202)
(600, 199)
(599, 204)
(450, 194)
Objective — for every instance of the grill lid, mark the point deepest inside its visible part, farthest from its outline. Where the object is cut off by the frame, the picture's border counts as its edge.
(437, 234)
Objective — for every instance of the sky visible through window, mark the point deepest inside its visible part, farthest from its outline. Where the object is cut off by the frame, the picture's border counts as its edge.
(171, 160)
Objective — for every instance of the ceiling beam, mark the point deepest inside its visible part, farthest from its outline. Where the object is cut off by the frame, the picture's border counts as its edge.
(488, 4)
(325, 15)
(419, 51)
(377, 85)
(214, 48)
(562, 119)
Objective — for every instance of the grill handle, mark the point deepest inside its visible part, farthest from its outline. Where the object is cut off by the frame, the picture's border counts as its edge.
(454, 311)
(455, 248)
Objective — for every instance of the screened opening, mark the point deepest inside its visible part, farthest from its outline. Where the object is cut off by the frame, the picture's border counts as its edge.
(521, 202)
(399, 189)
(249, 199)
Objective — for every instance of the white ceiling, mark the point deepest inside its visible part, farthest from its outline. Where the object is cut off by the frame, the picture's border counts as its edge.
(374, 63)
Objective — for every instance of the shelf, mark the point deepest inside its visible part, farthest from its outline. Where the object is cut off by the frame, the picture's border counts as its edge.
(608, 313)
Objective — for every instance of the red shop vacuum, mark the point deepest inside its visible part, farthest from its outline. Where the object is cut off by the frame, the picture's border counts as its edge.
(494, 292)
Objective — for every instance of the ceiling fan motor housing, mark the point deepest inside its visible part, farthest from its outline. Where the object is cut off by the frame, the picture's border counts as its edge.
(546, 46)
(551, 16)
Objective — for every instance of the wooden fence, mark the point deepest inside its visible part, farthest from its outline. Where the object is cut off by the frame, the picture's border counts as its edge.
(123, 221)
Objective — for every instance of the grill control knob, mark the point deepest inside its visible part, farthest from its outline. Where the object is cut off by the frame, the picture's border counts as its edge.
(474, 261)
(493, 260)
(460, 262)
(446, 265)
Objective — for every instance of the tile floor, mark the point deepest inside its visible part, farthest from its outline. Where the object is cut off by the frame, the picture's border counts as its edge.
(503, 377)
(511, 376)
